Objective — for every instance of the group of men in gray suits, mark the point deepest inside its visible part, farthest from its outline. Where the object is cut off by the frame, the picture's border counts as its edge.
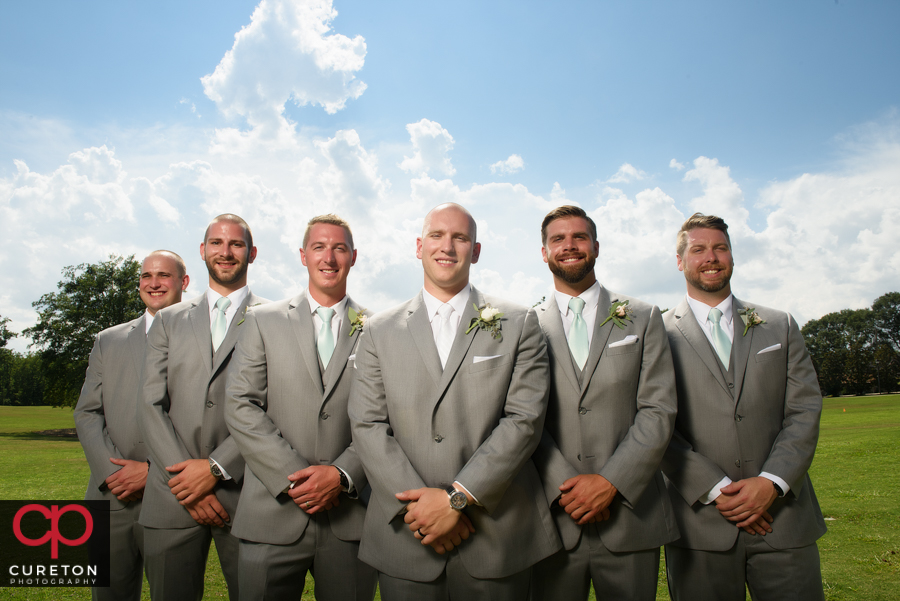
(457, 446)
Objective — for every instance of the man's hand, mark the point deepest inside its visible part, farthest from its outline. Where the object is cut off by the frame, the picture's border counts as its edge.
(431, 518)
(746, 500)
(454, 538)
(586, 498)
(316, 488)
(207, 510)
(128, 483)
(761, 525)
(193, 481)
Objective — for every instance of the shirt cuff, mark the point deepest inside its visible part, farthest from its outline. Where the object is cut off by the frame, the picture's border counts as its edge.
(778, 482)
(225, 475)
(350, 490)
(715, 491)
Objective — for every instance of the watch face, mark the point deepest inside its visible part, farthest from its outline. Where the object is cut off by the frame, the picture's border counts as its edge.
(458, 500)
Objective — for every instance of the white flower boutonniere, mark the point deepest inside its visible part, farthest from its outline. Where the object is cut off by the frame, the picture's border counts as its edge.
(244, 314)
(619, 312)
(750, 318)
(357, 320)
(488, 320)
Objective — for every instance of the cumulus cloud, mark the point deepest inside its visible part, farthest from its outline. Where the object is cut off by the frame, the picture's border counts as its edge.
(287, 52)
(676, 165)
(432, 144)
(511, 165)
(722, 196)
(627, 173)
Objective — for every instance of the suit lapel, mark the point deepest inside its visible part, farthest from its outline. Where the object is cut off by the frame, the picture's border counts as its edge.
(556, 336)
(741, 347)
(690, 329)
(231, 335)
(342, 349)
(137, 342)
(598, 339)
(461, 342)
(199, 318)
(423, 337)
(300, 317)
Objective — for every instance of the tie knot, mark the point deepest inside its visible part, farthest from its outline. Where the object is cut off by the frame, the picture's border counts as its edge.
(445, 310)
(576, 304)
(223, 303)
(715, 315)
(325, 314)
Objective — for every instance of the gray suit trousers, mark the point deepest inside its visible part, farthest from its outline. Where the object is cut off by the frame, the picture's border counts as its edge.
(126, 540)
(176, 561)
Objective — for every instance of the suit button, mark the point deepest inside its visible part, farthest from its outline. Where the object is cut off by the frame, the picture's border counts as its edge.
(325, 415)
(209, 403)
(737, 463)
(731, 385)
(438, 438)
(579, 456)
(738, 417)
(582, 410)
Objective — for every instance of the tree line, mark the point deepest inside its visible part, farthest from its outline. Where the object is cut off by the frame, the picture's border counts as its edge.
(855, 351)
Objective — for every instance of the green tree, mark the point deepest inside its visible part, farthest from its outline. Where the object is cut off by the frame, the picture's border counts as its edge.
(7, 358)
(886, 313)
(826, 343)
(90, 298)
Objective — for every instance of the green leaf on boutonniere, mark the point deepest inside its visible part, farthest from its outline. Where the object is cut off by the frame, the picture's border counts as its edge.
(357, 320)
(244, 314)
(619, 312)
(750, 318)
(488, 320)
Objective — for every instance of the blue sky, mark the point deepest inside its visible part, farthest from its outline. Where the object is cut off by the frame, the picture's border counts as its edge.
(782, 117)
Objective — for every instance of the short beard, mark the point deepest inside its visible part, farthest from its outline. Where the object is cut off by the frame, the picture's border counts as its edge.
(574, 274)
(707, 286)
(241, 272)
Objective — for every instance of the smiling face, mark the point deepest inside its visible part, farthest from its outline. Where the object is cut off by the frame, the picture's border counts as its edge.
(571, 253)
(161, 282)
(707, 265)
(447, 249)
(227, 256)
(328, 257)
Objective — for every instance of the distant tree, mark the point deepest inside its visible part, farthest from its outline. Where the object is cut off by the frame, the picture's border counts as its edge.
(886, 314)
(5, 334)
(826, 343)
(91, 298)
(6, 361)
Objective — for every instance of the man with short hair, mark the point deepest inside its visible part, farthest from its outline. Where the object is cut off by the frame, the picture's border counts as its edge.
(748, 422)
(446, 411)
(196, 468)
(288, 385)
(105, 418)
(611, 413)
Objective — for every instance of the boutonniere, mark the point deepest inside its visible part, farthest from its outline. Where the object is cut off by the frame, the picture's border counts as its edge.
(357, 320)
(244, 314)
(750, 318)
(488, 320)
(619, 311)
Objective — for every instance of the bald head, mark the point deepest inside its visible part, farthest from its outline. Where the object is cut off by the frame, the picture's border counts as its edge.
(163, 279)
(451, 206)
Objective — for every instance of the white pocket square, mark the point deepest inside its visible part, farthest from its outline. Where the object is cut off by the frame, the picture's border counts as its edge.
(769, 349)
(480, 359)
(630, 339)
(351, 357)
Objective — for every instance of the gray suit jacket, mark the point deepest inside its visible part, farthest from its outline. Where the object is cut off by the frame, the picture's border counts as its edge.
(768, 422)
(477, 422)
(182, 415)
(105, 415)
(617, 423)
(283, 419)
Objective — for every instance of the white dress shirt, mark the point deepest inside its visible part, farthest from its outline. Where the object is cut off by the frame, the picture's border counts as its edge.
(591, 298)
(340, 309)
(701, 314)
(236, 298)
(148, 321)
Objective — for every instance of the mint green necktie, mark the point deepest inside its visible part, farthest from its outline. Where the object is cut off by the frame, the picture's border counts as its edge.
(720, 338)
(219, 325)
(578, 335)
(325, 343)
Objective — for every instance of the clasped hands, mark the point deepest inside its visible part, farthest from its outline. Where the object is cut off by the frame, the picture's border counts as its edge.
(128, 482)
(586, 498)
(746, 502)
(433, 521)
(315, 488)
(193, 487)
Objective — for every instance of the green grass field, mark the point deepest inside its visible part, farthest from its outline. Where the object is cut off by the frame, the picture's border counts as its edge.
(853, 473)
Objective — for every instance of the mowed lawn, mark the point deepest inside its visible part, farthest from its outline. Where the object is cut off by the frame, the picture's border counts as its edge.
(855, 476)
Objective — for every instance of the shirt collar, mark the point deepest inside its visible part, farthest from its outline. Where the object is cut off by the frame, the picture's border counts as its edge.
(236, 298)
(339, 307)
(458, 302)
(701, 309)
(591, 297)
(148, 320)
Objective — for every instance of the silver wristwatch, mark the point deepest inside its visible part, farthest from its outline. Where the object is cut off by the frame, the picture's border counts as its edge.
(458, 500)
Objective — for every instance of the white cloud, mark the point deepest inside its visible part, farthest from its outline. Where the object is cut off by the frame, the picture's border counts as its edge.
(287, 52)
(432, 144)
(676, 165)
(511, 165)
(721, 195)
(627, 173)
